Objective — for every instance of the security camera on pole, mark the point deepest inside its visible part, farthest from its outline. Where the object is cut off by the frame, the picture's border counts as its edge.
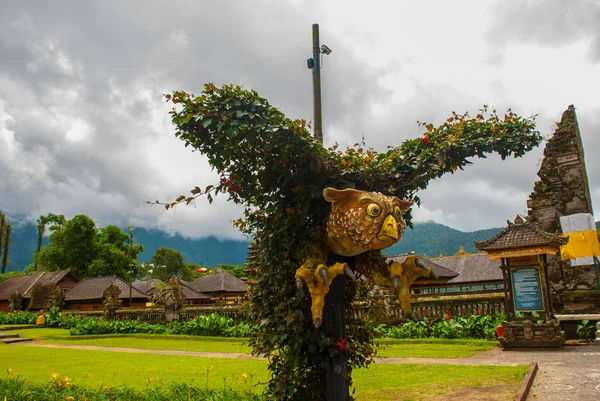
(314, 63)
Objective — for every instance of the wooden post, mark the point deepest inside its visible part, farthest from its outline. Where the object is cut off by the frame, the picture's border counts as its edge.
(334, 326)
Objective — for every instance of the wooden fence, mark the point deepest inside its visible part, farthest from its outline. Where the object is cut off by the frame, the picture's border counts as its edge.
(380, 309)
(387, 308)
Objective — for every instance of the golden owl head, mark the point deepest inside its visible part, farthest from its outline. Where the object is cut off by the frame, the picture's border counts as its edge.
(362, 221)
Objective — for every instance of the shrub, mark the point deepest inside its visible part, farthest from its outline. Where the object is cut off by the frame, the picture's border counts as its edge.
(18, 317)
(586, 330)
(203, 325)
(474, 326)
(17, 388)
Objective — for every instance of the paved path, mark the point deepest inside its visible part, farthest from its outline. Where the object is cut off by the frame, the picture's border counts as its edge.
(570, 373)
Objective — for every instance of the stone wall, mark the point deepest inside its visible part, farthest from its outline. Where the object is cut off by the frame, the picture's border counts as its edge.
(563, 187)
(562, 190)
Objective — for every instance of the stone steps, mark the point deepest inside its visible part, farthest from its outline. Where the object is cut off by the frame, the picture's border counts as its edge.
(8, 338)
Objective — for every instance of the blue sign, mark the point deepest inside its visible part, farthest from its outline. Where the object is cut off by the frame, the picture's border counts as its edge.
(526, 289)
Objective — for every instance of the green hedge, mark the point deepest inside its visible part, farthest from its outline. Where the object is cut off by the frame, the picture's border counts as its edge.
(18, 317)
(474, 326)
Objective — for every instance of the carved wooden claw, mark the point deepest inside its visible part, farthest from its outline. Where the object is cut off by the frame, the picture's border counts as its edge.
(403, 275)
(318, 282)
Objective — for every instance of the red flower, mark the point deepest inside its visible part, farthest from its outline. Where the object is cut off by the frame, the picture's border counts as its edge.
(448, 311)
(448, 317)
(478, 311)
(424, 313)
(364, 164)
(289, 210)
(341, 345)
(425, 139)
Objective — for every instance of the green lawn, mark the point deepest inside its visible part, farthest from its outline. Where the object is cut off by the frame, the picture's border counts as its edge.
(432, 348)
(101, 368)
(147, 341)
(389, 348)
(378, 382)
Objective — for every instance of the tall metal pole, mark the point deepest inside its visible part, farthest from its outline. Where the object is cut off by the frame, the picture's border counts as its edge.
(334, 322)
(130, 228)
(316, 74)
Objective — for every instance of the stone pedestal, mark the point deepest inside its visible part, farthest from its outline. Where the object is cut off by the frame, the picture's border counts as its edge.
(527, 334)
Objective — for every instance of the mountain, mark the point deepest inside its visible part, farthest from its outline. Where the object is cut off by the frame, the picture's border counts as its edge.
(433, 239)
(208, 251)
(429, 239)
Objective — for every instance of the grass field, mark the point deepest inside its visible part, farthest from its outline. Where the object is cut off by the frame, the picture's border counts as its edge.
(378, 382)
(389, 348)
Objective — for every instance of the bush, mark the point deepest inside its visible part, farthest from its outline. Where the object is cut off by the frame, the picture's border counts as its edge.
(586, 330)
(474, 326)
(16, 388)
(203, 325)
(18, 317)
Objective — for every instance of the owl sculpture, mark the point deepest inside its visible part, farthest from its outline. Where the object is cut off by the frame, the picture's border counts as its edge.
(359, 222)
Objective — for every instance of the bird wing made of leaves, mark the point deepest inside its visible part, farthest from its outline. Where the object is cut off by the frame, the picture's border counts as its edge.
(266, 159)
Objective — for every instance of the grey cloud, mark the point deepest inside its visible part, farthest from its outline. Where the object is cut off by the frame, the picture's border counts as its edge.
(107, 64)
(550, 23)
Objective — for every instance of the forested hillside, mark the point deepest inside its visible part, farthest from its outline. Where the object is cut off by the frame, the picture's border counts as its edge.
(426, 238)
(432, 238)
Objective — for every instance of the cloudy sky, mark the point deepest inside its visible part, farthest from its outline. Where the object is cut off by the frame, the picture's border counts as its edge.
(84, 127)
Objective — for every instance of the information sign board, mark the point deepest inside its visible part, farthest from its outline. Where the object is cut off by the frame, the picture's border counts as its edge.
(527, 289)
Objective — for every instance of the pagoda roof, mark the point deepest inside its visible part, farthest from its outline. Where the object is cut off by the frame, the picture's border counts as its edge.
(519, 235)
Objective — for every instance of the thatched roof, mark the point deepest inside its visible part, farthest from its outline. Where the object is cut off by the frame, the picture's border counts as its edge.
(21, 284)
(441, 272)
(93, 289)
(190, 293)
(520, 235)
(147, 286)
(25, 284)
(218, 282)
(471, 268)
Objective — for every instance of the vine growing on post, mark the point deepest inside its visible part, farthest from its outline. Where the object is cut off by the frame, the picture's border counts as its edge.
(272, 166)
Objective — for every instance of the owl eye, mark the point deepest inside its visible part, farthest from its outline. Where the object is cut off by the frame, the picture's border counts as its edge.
(397, 212)
(373, 210)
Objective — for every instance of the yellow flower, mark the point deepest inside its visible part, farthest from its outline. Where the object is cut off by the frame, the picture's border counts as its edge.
(9, 371)
(69, 398)
(54, 376)
(211, 369)
(66, 379)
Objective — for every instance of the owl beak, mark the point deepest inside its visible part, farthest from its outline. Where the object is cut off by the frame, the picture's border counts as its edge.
(389, 228)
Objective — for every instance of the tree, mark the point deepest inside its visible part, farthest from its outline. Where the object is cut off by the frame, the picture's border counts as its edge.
(273, 166)
(42, 222)
(191, 273)
(167, 262)
(5, 240)
(113, 253)
(72, 246)
(236, 270)
(78, 245)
